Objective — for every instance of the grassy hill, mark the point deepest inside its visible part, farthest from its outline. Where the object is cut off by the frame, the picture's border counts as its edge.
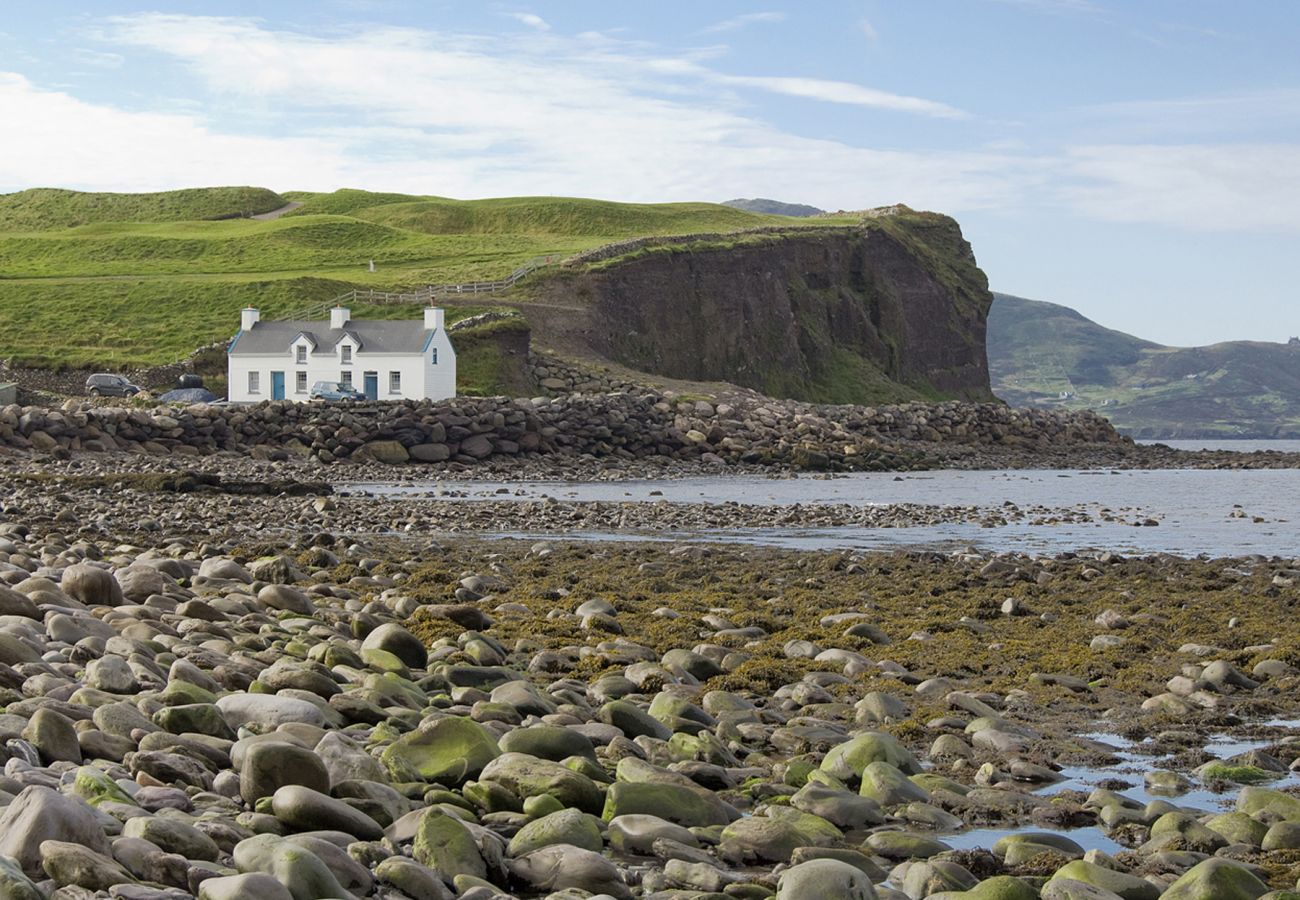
(42, 209)
(125, 280)
(1042, 353)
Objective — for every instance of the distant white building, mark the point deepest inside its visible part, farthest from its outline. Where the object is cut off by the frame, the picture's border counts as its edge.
(387, 359)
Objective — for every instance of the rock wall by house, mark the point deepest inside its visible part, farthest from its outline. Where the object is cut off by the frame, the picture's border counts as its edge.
(623, 426)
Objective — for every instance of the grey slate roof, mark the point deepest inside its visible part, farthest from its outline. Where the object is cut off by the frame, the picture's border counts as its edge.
(375, 336)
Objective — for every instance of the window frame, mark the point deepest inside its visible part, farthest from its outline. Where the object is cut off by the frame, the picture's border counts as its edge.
(254, 382)
(345, 379)
(300, 382)
(394, 381)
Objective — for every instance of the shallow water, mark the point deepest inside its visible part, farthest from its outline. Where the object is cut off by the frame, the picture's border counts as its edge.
(1194, 507)
(1132, 768)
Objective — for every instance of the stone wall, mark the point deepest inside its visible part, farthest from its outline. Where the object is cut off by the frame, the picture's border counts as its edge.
(555, 377)
(624, 426)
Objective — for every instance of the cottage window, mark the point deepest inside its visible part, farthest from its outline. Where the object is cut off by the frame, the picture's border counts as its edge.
(254, 382)
(346, 379)
(300, 382)
(300, 354)
(433, 360)
(346, 350)
(394, 382)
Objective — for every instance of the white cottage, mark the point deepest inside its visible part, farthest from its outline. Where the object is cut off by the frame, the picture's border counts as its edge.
(387, 359)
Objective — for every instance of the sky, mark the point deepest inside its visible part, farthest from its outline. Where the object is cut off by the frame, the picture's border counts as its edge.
(1138, 161)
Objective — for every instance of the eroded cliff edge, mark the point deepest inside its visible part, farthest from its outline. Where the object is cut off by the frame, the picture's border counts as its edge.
(891, 309)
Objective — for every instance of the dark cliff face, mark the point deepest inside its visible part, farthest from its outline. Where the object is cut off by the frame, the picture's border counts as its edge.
(892, 310)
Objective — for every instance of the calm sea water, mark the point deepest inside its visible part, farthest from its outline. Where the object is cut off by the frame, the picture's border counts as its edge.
(1215, 512)
(1235, 446)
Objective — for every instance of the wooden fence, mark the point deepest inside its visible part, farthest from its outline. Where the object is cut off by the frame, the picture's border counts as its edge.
(424, 296)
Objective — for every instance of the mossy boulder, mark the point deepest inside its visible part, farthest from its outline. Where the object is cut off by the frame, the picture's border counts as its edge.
(676, 803)
(14, 885)
(295, 867)
(1216, 879)
(1238, 828)
(1128, 887)
(1000, 887)
(553, 742)
(1187, 832)
(900, 845)
(527, 776)
(96, 787)
(1256, 800)
(1224, 771)
(443, 843)
(450, 750)
(824, 879)
(888, 786)
(568, 826)
(848, 760)
(775, 837)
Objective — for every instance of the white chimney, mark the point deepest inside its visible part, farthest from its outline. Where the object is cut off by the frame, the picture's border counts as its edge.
(433, 319)
(339, 316)
(248, 317)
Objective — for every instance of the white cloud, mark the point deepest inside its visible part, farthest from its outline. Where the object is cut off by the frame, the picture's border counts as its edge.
(738, 22)
(67, 142)
(463, 115)
(1213, 187)
(845, 92)
(864, 24)
(531, 20)
(593, 116)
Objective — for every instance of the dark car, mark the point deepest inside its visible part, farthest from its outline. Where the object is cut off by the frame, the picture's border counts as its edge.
(103, 384)
(335, 390)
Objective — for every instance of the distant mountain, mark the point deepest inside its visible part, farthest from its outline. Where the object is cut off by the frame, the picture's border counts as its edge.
(1045, 354)
(774, 207)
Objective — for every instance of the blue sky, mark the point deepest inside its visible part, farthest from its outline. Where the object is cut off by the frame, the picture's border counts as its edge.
(1139, 161)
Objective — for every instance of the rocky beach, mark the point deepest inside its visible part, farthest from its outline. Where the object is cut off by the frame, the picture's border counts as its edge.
(229, 669)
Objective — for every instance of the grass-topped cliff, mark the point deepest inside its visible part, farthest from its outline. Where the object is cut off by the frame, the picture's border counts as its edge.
(869, 307)
(119, 280)
(890, 307)
(1042, 353)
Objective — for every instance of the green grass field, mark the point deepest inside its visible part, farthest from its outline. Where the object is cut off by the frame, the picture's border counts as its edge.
(125, 280)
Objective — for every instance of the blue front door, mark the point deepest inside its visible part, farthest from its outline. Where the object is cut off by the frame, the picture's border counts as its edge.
(277, 385)
(372, 385)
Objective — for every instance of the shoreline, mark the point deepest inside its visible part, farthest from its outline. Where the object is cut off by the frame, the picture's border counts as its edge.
(218, 668)
(794, 705)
